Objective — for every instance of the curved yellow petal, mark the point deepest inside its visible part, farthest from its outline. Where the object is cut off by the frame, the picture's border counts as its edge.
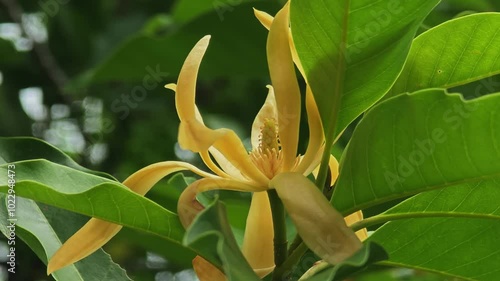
(95, 233)
(226, 166)
(285, 85)
(316, 137)
(188, 207)
(193, 134)
(266, 20)
(186, 84)
(322, 228)
(354, 218)
(258, 245)
(268, 111)
(207, 271)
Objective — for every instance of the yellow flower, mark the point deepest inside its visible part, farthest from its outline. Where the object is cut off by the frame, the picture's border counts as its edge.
(272, 163)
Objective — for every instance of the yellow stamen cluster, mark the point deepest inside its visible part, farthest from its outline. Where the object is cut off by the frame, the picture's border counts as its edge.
(267, 157)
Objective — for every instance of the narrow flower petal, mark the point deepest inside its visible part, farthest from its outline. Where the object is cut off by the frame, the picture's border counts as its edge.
(322, 228)
(92, 236)
(356, 217)
(268, 111)
(186, 85)
(285, 85)
(266, 20)
(207, 271)
(193, 134)
(316, 137)
(188, 207)
(226, 166)
(95, 233)
(258, 245)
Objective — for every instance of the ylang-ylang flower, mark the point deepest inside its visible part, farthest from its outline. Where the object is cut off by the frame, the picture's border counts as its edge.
(273, 163)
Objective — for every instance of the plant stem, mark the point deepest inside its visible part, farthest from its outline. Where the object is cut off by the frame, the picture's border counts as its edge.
(279, 225)
(378, 219)
(323, 169)
(296, 242)
(291, 261)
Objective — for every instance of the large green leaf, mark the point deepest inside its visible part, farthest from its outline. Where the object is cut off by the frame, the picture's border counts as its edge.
(25, 148)
(473, 200)
(90, 195)
(462, 247)
(211, 235)
(419, 142)
(45, 228)
(353, 51)
(456, 52)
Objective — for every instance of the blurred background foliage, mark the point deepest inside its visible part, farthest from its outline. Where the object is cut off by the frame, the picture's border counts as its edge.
(88, 76)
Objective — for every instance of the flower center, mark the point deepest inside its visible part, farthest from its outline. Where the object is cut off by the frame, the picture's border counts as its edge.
(267, 157)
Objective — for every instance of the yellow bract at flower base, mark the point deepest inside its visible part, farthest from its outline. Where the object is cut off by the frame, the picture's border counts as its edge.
(272, 163)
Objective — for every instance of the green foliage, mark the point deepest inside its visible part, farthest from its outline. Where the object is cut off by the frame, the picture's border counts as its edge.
(45, 228)
(211, 235)
(457, 52)
(421, 163)
(370, 253)
(352, 51)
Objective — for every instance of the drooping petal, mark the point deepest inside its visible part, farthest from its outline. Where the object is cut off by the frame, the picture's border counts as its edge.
(322, 228)
(95, 233)
(268, 111)
(316, 137)
(88, 239)
(188, 207)
(285, 85)
(207, 271)
(258, 245)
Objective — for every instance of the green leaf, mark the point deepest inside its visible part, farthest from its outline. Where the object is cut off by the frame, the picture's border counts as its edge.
(461, 247)
(454, 53)
(353, 51)
(370, 253)
(236, 49)
(44, 228)
(90, 195)
(25, 148)
(419, 142)
(211, 236)
(473, 200)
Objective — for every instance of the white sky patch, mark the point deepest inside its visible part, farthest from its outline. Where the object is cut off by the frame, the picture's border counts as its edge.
(97, 153)
(92, 122)
(66, 135)
(59, 111)
(13, 33)
(34, 27)
(32, 103)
